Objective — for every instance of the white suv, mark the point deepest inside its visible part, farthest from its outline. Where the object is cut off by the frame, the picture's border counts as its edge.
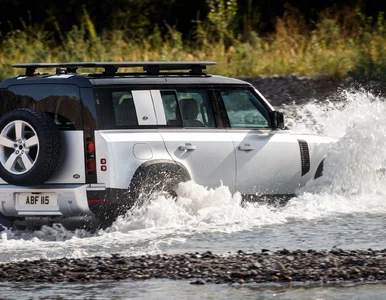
(89, 146)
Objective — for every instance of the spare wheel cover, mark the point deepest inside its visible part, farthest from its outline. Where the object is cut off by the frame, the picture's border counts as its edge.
(30, 147)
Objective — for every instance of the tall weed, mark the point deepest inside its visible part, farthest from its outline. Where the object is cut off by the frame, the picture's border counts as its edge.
(339, 43)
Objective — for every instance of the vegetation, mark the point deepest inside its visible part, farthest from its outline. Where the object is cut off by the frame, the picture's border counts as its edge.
(340, 42)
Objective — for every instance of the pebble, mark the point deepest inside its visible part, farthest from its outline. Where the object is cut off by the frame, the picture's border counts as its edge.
(309, 266)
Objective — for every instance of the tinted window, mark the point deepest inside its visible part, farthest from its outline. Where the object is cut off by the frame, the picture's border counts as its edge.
(61, 102)
(193, 108)
(124, 109)
(117, 107)
(244, 110)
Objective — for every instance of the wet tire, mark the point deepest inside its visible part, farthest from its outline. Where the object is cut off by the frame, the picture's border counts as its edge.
(30, 147)
(153, 184)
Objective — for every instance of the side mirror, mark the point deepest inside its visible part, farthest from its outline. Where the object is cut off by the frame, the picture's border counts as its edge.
(278, 120)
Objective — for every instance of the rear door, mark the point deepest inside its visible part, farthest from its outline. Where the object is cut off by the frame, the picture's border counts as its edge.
(267, 161)
(62, 102)
(193, 136)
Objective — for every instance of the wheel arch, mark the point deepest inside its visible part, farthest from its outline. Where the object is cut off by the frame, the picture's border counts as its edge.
(158, 167)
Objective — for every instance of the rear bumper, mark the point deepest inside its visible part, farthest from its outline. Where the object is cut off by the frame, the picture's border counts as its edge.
(72, 200)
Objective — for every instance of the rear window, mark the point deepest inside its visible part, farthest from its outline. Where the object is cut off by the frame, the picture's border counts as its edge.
(61, 102)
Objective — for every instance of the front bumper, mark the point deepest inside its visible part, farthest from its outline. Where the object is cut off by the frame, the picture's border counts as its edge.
(71, 200)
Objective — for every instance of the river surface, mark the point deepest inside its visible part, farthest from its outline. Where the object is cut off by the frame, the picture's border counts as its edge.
(346, 208)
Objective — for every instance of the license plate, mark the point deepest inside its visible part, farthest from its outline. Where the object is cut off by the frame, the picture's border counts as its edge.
(36, 201)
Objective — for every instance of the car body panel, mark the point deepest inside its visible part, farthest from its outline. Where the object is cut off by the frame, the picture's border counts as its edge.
(211, 162)
(267, 162)
(118, 148)
(318, 146)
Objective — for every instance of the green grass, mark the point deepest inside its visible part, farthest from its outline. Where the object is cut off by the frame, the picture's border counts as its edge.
(339, 44)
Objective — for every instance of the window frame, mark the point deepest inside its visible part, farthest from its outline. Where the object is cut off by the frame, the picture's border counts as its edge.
(181, 89)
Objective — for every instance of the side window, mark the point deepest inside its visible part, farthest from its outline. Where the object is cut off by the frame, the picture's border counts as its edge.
(124, 109)
(190, 108)
(244, 110)
(61, 102)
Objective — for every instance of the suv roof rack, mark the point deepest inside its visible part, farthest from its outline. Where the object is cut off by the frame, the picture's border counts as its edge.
(111, 68)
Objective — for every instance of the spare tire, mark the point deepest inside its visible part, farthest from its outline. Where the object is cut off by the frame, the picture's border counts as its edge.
(30, 147)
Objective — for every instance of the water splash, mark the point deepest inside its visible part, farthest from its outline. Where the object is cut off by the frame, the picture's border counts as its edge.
(356, 164)
(332, 118)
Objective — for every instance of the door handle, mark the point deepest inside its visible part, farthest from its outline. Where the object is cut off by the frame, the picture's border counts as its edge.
(187, 147)
(246, 147)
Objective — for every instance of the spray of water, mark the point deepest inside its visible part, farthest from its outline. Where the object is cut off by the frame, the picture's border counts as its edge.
(355, 165)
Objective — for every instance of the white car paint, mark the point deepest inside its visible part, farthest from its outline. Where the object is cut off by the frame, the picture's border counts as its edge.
(267, 161)
(208, 154)
(318, 146)
(119, 147)
(144, 107)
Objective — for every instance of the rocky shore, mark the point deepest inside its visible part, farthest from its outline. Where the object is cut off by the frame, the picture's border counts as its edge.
(309, 266)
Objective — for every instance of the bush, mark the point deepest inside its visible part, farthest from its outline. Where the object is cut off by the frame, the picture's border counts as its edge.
(340, 43)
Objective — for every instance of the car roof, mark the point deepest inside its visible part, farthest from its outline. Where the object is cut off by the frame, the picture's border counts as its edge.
(88, 80)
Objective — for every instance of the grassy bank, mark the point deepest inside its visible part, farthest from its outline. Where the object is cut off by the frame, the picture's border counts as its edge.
(337, 45)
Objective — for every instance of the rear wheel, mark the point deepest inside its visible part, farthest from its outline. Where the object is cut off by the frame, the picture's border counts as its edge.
(5, 222)
(153, 185)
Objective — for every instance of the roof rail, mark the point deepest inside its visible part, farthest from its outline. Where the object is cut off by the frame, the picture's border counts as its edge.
(111, 68)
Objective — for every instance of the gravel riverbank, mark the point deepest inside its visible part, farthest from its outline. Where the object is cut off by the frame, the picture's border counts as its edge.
(334, 266)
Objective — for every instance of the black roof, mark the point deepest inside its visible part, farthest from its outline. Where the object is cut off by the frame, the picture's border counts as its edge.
(152, 74)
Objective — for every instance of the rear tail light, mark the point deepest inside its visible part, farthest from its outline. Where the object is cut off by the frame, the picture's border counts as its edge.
(90, 147)
(90, 162)
(90, 165)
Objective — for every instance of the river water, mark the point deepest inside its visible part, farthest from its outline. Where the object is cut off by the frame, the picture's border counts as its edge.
(345, 208)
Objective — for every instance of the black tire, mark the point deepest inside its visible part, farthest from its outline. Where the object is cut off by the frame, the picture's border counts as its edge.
(5, 222)
(153, 185)
(49, 154)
